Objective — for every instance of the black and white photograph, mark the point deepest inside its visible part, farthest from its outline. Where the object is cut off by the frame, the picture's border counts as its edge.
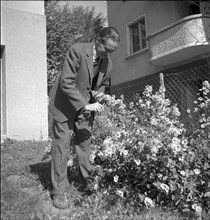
(105, 110)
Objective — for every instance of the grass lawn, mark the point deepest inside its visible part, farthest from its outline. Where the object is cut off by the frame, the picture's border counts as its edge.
(25, 187)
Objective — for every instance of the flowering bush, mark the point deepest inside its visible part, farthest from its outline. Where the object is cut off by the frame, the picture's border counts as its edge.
(199, 147)
(144, 154)
(200, 116)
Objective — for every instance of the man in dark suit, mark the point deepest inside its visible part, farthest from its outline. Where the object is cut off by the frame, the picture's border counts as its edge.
(86, 68)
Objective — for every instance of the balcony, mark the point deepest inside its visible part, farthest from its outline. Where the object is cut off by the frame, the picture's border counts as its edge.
(185, 39)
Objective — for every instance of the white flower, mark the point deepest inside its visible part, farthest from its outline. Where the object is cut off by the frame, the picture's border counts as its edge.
(188, 110)
(100, 154)
(118, 134)
(95, 186)
(78, 36)
(116, 177)
(148, 88)
(197, 171)
(125, 152)
(110, 148)
(109, 151)
(197, 208)
(202, 105)
(119, 192)
(70, 162)
(185, 142)
(148, 202)
(131, 104)
(175, 131)
(164, 187)
(140, 145)
(175, 140)
(176, 111)
(140, 101)
(143, 131)
(203, 126)
(92, 156)
(122, 106)
(48, 148)
(105, 192)
(181, 158)
(206, 84)
(207, 194)
(137, 132)
(175, 145)
(148, 103)
(154, 121)
(125, 132)
(108, 141)
(154, 149)
(138, 162)
(156, 141)
(182, 172)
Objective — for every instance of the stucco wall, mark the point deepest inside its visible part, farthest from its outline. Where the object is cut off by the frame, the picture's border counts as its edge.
(158, 15)
(24, 36)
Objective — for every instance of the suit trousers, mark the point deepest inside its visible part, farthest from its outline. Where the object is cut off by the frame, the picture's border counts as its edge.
(81, 126)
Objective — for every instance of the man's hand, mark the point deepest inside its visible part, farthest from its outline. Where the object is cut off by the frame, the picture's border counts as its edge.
(96, 107)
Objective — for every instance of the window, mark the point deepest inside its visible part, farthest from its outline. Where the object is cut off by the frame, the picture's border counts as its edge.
(194, 7)
(137, 35)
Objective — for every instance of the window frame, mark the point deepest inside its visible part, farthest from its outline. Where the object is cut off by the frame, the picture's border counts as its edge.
(128, 34)
(194, 5)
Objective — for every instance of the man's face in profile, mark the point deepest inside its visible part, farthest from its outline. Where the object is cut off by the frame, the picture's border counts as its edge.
(106, 48)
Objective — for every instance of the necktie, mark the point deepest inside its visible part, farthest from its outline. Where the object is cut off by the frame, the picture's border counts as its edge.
(100, 77)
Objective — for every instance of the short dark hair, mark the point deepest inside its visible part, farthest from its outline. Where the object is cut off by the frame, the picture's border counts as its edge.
(109, 33)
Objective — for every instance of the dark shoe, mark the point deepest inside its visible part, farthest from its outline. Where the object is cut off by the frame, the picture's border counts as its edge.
(60, 201)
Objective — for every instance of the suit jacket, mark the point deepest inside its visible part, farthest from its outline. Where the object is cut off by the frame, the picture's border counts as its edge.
(71, 91)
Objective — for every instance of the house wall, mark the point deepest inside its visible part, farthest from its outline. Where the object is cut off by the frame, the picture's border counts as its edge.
(158, 15)
(23, 33)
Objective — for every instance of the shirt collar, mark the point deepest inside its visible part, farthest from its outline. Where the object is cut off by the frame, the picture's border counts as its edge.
(94, 53)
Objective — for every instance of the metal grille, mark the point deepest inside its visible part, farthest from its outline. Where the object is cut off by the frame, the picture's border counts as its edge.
(182, 84)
